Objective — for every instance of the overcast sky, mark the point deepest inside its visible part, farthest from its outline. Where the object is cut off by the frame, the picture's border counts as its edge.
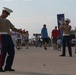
(32, 14)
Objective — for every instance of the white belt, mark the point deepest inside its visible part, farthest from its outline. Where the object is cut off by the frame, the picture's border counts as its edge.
(66, 34)
(3, 32)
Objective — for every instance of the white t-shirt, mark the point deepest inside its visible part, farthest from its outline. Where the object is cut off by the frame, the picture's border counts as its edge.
(18, 36)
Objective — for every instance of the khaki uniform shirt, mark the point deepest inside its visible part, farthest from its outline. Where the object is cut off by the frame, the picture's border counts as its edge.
(66, 29)
(5, 25)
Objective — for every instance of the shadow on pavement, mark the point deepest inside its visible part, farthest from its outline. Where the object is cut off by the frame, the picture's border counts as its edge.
(34, 73)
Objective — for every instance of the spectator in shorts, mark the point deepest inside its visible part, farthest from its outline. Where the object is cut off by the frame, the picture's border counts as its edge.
(37, 40)
(44, 36)
(18, 41)
(27, 39)
(55, 35)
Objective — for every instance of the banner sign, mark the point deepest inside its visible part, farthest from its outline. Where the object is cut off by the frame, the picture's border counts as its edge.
(60, 21)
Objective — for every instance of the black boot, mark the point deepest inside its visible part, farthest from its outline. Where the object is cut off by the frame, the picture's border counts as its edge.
(1, 70)
(9, 69)
(62, 55)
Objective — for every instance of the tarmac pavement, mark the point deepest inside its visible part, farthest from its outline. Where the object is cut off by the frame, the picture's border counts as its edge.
(37, 61)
